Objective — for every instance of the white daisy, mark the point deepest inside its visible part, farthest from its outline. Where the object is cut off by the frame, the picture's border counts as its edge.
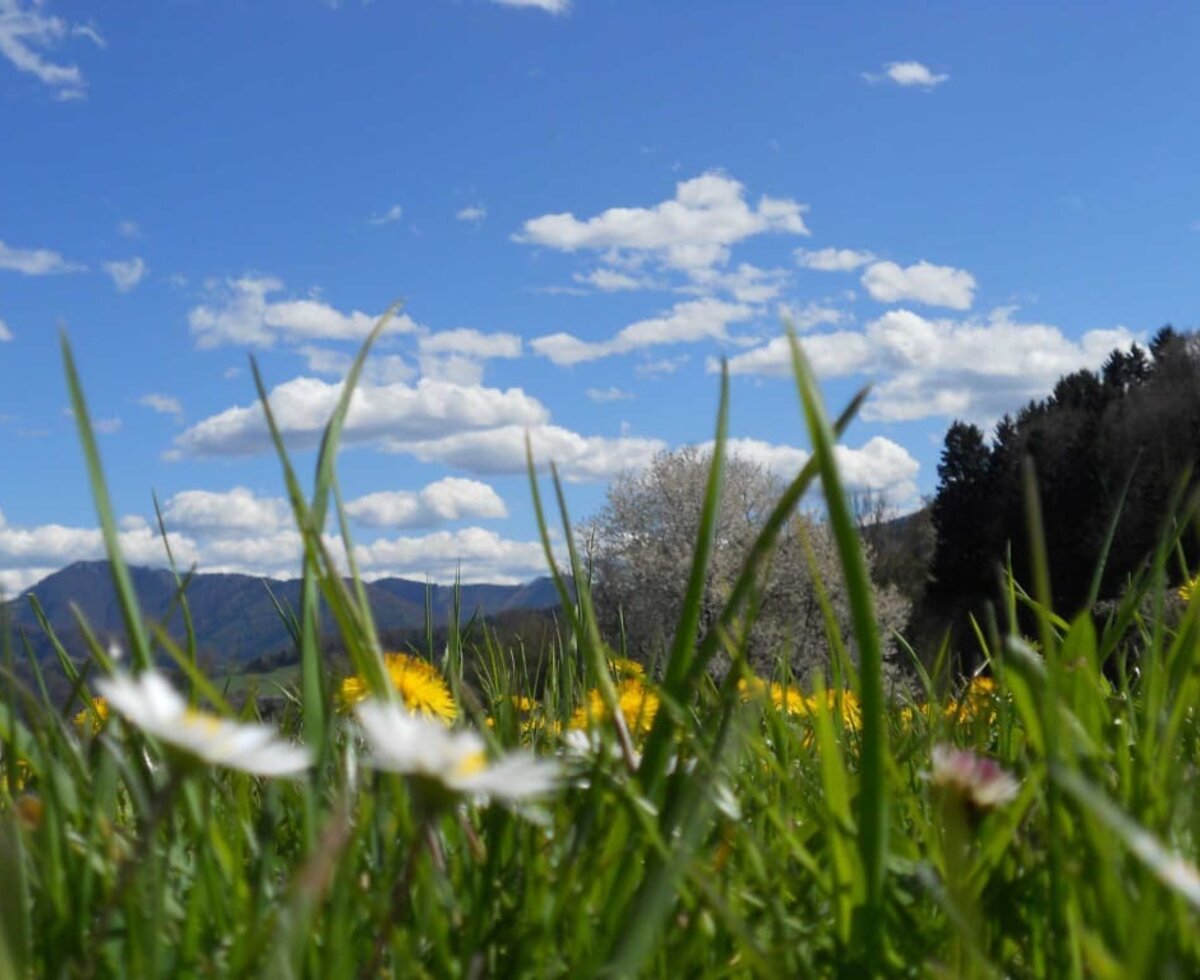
(980, 781)
(413, 745)
(149, 702)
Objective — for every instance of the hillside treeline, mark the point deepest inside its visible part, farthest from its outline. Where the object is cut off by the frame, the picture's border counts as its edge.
(1110, 444)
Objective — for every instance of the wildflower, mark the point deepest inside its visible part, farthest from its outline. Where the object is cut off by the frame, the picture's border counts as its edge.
(636, 702)
(420, 686)
(29, 809)
(93, 717)
(979, 781)
(978, 700)
(788, 699)
(150, 703)
(411, 744)
(1188, 588)
(623, 667)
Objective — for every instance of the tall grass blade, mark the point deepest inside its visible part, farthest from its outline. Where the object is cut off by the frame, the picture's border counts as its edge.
(872, 799)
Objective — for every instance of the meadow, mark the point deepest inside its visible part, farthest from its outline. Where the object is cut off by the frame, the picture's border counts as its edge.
(607, 818)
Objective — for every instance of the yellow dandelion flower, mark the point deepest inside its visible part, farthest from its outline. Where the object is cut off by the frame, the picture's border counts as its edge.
(422, 689)
(752, 687)
(637, 703)
(93, 718)
(523, 704)
(978, 700)
(624, 667)
(1188, 588)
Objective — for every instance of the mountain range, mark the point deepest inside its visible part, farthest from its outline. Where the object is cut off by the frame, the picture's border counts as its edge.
(235, 618)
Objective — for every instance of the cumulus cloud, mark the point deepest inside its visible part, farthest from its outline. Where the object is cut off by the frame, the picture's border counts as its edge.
(237, 532)
(694, 230)
(550, 6)
(907, 74)
(238, 511)
(380, 369)
(32, 550)
(127, 273)
(470, 343)
(746, 284)
(163, 404)
(394, 213)
(5, 333)
(448, 499)
(833, 259)
(129, 229)
(240, 313)
(428, 410)
(34, 261)
(977, 368)
(702, 319)
(810, 315)
(933, 285)
(473, 214)
(878, 464)
(26, 33)
(502, 451)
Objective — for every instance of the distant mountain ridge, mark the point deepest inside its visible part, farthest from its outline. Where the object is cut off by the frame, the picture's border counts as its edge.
(234, 616)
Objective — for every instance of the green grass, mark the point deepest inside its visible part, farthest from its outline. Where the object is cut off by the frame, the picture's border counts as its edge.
(726, 838)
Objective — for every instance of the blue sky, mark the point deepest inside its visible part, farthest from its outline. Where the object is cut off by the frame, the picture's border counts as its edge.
(584, 205)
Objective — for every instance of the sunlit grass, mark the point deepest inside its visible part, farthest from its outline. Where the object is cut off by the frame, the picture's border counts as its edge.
(1039, 819)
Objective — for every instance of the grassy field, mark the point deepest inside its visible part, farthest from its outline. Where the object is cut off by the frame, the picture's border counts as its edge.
(1037, 820)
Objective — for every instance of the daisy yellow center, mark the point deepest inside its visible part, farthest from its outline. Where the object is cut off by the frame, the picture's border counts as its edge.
(471, 764)
(209, 724)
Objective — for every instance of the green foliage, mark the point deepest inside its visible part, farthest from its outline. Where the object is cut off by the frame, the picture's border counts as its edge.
(1109, 450)
(750, 828)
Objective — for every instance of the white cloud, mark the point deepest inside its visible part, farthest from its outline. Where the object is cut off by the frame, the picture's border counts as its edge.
(907, 74)
(933, 285)
(976, 368)
(236, 532)
(879, 464)
(34, 261)
(129, 229)
(126, 274)
(5, 333)
(610, 394)
(833, 259)
(302, 406)
(502, 451)
(163, 404)
(380, 369)
(394, 213)
(470, 343)
(702, 319)
(613, 281)
(474, 214)
(26, 32)
(660, 367)
(107, 427)
(459, 355)
(810, 315)
(480, 555)
(694, 230)
(241, 314)
(232, 512)
(550, 6)
(829, 354)
(51, 546)
(747, 283)
(448, 499)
